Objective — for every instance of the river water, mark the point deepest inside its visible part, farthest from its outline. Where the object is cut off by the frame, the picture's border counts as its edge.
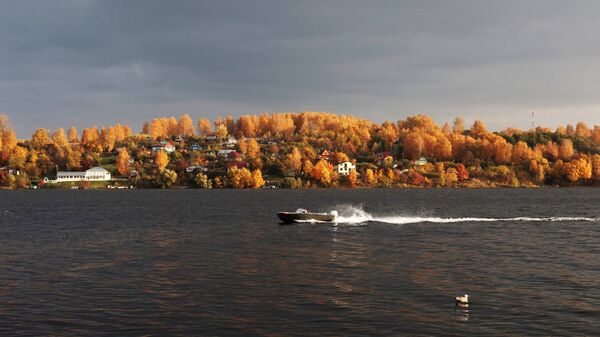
(218, 263)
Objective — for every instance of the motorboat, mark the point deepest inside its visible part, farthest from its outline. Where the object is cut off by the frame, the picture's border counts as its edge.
(303, 215)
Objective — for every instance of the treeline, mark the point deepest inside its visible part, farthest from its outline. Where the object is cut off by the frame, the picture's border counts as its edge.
(304, 149)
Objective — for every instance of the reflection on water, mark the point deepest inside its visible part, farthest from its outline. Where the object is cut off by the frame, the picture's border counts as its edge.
(216, 263)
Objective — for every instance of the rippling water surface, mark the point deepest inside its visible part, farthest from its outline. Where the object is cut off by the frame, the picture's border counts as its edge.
(217, 263)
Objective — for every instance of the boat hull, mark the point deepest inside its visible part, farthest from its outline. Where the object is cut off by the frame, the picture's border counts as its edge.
(305, 217)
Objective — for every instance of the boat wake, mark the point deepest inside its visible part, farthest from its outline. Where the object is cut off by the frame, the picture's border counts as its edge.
(356, 215)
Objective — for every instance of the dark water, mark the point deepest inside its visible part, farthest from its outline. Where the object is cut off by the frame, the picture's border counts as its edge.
(217, 263)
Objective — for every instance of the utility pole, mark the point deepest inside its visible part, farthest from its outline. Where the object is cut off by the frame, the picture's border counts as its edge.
(533, 119)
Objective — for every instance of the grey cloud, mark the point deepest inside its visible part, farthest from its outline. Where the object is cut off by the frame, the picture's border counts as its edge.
(72, 62)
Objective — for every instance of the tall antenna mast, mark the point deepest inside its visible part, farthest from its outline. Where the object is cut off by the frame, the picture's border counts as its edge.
(533, 119)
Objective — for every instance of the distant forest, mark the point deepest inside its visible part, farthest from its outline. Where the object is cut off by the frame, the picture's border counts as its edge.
(308, 149)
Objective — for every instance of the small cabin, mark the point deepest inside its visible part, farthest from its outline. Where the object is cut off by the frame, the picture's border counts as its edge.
(345, 168)
(420, 162)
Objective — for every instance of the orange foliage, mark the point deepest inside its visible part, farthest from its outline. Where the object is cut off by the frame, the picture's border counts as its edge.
(123, 162)
(59, 138)
(565, 150)
(294, 160)
(461, 172)
(478, 130)
(204, 127)
(521, 153)
(323, 172)
(185, 126)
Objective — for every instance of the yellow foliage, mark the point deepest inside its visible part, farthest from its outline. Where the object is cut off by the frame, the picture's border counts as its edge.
(204, 127)
(185, 126)
(40, 139)
(257, 179)
(370, 178)
(162, 160)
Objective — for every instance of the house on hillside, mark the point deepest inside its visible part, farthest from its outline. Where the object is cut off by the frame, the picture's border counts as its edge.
(327, 155)
(345, 168)
(420, 162)
(7, 171)
(212, 137)
(93, 174)
(196, 168)
(196, 147)
(230, 141)
(225, 153)
(164, 146)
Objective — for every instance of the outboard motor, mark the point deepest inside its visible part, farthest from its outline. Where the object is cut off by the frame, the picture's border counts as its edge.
(335, 214)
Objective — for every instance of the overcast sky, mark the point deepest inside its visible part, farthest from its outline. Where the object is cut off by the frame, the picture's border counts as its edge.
(86, 62)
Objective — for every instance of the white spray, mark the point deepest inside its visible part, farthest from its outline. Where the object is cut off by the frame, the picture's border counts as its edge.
(348, 214)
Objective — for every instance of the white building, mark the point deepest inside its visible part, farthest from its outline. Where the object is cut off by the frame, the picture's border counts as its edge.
(225, 153)
(231, 141)
(93, 174)
(345, 168)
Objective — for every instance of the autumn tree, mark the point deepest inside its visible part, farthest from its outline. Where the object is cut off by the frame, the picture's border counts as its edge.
(461, 172)
(8, 138)
(369, 178)
(307, 167)
(413, 145)
(458, 125)
(578, 169)
(221, 131)
(59, 138)
(538, 169)
(440, 170)
(123, 162)
(162, 160)
(89, 137)
(565, 149)
(157, 128)
(294, 160)
(167, 178)
(241, 178)
(341, 157)
(73, 160)
(204, 127)
(203, 181)
(40, 139)
(521, 153)
(451, 176)
(5, 123)
(72, 135)
(352, 178)
(172, 127)
(478, 129)
(323, 172)
(596, 167)
(246, 126)
(502, 150)
(18, 157)
(108, 138)
(186, 126)
(582, 130)
(252, 149)
(257, 179)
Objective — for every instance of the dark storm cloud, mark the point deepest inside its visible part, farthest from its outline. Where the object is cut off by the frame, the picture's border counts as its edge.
(82, 62)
